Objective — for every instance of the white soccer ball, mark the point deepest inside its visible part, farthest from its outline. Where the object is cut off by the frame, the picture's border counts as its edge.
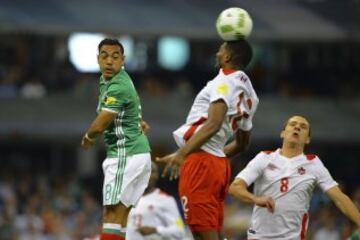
(234, 24)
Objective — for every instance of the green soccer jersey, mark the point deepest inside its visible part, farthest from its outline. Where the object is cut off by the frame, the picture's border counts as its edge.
(124, 136)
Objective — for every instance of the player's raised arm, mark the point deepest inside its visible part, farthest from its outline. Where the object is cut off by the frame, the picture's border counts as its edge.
(239, 190)
(97, 127)
(343, 202)
(216, 115)
(239, 145)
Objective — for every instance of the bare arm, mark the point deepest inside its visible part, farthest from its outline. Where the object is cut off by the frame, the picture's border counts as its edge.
(216, 115)
(346, 206)
(97, 127)
(239, 144)
(238, 189)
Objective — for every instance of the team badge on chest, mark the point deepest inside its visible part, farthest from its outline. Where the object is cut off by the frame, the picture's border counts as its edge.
(301, 170)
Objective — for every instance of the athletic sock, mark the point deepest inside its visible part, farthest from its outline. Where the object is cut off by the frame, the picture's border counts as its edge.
(112, 231)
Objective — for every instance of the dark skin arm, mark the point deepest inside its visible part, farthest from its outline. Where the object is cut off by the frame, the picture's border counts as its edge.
(97, 127)
(239, 145)
(145, 230)
(216, 115)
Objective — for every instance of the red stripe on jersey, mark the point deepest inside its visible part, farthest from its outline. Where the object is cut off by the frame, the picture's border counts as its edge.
(193, 128)
(249, 103)
(241, 97)
(267, 152)
(310, 157)
(228, 71)
(303, 226)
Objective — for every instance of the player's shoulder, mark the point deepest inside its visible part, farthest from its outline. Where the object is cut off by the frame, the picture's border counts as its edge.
(313, 159)
(121, 82)
(267, 153)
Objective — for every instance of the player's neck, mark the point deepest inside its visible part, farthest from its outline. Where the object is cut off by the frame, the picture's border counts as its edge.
(230, 66)
(291, 150)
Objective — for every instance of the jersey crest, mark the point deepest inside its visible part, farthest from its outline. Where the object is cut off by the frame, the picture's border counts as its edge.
(109, 100)
(301, 170)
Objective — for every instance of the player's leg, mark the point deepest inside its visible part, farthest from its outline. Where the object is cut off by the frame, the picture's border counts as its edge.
(124, 184)
(225, 166)
(207, 235)
(199, 187)
(114, 222)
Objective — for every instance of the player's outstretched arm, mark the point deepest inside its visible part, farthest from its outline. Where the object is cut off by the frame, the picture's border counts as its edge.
(238, 189)
(97, 127)
(239, 145)
(346, 206)
(216, 115)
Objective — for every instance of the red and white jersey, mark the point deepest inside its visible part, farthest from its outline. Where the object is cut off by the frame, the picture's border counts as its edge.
(156, 209)
(290, 182)
(236, 90)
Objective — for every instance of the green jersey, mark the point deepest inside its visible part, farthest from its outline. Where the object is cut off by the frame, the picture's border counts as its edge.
(124, 136)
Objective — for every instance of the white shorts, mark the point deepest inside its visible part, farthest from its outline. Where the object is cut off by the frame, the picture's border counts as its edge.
(125, 181)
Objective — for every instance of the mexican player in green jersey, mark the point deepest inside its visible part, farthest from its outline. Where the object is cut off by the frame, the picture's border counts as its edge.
(127, 166)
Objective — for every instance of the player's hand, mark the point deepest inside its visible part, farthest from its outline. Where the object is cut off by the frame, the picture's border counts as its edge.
(144, 126)
(173, 162)
(145, 230)
(86, 142)
(266, 202)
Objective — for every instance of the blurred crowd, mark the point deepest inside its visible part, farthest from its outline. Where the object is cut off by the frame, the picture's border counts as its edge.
(36, 66)
(44, 208)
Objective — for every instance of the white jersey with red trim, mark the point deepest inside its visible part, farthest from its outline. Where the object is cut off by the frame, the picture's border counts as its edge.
(156, 209)
(290, 182)
(236, 90)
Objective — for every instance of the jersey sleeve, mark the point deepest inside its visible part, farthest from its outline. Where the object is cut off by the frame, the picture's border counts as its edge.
(254, 169)
(115, 98)
(225, 91)
(174, 226)
(324, 178)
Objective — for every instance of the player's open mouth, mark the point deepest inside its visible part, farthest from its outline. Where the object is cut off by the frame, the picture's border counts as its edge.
(295, 134)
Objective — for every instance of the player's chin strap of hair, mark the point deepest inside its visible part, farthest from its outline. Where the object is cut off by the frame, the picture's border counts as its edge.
(89, 138)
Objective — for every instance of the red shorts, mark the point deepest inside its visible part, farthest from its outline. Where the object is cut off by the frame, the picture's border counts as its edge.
(203, 185)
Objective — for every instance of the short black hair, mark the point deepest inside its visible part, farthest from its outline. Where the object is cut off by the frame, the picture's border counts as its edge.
(241, 52)
(111, 41)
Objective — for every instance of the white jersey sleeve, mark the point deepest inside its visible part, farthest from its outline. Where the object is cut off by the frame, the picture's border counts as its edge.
(254, 169)
(323, 178)
(237, 92)
(223, 90)
(173, 227)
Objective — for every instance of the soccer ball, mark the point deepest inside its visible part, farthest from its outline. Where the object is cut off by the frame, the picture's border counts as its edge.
(234, 24)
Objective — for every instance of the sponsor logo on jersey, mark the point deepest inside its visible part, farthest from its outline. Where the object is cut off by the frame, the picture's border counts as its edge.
(222, 89)
(151, 208)
(301, 170)
(109, 100)
(272, 167)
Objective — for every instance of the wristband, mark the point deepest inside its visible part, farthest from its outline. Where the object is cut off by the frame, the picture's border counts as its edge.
(89, 138)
